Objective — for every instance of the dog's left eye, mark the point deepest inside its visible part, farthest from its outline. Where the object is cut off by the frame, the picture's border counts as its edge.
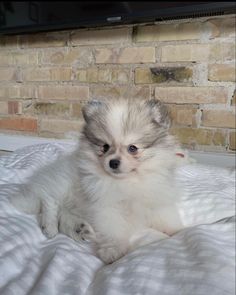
(132, 149)
(106, 148)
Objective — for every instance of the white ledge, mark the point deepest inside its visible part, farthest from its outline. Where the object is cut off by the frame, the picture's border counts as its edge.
(13, 142)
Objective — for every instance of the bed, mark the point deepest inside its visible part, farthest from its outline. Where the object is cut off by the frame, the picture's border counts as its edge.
(197, 260)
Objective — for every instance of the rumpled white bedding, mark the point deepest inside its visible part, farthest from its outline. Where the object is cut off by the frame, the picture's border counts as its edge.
(197, 260)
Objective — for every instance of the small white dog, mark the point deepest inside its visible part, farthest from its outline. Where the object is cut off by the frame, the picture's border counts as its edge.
(116, 185)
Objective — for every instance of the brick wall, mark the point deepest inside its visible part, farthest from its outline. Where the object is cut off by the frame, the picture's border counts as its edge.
(190, 65)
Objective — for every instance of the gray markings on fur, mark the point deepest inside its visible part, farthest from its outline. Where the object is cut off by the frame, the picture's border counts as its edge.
(95, 117)
(159, 112)
(148, 118)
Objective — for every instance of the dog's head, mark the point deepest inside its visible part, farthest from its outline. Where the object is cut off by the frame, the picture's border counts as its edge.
(124, 134)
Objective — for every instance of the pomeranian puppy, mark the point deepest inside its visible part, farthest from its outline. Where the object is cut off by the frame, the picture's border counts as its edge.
(118, 184)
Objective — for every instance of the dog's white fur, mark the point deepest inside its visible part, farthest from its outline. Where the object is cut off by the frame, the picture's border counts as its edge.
(81, 196)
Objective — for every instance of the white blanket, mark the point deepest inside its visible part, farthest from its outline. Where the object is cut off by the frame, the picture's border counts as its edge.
(197, 260)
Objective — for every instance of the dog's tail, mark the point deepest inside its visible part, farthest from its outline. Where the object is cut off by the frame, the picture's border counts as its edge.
(26, 200)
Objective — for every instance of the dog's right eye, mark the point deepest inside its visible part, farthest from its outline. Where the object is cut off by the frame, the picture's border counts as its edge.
(132, 149)
(106, 148)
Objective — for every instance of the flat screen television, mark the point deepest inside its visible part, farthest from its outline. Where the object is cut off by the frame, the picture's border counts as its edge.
(37, 16)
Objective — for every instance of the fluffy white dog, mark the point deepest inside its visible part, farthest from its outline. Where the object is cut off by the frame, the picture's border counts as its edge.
(116, 185)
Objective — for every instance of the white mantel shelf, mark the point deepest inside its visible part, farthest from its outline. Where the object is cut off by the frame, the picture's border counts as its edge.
(12, 142)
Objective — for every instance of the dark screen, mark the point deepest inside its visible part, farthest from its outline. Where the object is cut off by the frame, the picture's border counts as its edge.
(50, 15)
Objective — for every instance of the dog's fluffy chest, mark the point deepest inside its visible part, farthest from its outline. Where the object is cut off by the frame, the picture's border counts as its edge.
(147, 191)
(141, 203)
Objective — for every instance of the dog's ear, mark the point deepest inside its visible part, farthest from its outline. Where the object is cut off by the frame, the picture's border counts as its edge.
(92, 107)
(158, 112)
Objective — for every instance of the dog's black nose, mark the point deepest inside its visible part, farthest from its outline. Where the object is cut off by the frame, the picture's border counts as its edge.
(114, 163)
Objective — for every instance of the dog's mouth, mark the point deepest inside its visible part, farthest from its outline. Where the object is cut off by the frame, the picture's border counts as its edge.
(119, 173)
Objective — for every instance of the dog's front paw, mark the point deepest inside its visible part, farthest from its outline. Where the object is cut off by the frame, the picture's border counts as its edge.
(49, 230)
(48, 222)
(109, 254)
(77, 228)
(83, 231)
